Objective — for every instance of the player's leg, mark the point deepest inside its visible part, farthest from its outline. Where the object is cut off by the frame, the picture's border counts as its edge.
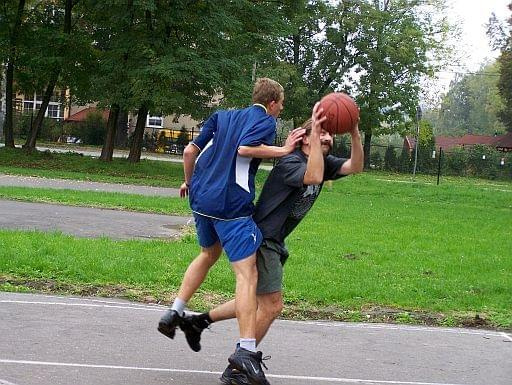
(241, 239)
(194, 276)
(245, 298)
(270, 260)
(270, 307)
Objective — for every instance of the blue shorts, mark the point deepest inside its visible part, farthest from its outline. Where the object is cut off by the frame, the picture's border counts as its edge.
(240, 238)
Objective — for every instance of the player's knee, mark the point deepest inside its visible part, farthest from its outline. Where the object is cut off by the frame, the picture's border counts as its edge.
(210, 256)
(272, 305)
(277, 309)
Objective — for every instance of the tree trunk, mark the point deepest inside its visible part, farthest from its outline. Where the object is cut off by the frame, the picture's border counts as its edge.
(367, 148)
(121, 139)
(37, 124)
(108, 146)
(138, 135)
(9, 94)
(8, 124)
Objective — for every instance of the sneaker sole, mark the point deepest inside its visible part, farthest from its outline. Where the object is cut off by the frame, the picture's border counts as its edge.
(242, 370)
(231, 381)
(166, 330)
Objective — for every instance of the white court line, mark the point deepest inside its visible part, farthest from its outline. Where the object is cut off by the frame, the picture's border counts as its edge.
(507, 336)
(400, 327)
(283, 376)
(124, 306)
(322, 324)
(3, 382)
(109, 301)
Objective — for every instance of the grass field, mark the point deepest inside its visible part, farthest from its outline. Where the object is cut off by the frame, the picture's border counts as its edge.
(375, 247)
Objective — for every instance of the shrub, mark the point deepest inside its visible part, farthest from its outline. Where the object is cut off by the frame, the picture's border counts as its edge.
(390, 159)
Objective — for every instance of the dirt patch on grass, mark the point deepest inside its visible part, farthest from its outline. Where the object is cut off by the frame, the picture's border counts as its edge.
(203, 301)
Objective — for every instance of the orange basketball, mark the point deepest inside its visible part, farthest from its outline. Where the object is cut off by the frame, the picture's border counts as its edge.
(341, 111)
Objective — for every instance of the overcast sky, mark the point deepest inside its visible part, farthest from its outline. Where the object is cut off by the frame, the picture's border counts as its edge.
(471, 16)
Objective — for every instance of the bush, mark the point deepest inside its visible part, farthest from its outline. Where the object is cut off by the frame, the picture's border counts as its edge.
(51, 129)
(455, 162)
(92, 130)
(390, 159)
(376, 160)
(405, 163)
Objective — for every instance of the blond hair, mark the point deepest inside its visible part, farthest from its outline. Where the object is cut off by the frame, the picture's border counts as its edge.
(267, 90)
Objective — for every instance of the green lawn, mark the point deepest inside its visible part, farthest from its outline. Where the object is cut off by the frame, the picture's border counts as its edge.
(376, 247)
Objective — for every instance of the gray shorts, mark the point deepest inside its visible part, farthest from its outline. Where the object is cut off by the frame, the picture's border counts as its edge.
(271, 257)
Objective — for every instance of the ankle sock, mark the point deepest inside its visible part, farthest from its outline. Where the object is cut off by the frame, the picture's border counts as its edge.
(179, 306)
(248, 344)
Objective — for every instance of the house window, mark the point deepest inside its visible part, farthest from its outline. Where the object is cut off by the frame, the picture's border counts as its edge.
(54, 110)
(155, 122)
(28, 107)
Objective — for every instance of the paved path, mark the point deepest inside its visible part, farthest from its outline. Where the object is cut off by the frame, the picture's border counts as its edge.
(36, 182)
(118, 154)
(89, 222)
(50, 340)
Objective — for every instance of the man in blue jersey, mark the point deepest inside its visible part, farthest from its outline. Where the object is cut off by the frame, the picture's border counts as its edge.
(288, 194)
(220, 167)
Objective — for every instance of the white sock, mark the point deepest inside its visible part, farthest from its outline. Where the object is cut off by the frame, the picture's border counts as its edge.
(179, 306)
(248, 343)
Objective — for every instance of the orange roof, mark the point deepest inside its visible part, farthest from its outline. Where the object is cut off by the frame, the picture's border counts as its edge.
(81, 115)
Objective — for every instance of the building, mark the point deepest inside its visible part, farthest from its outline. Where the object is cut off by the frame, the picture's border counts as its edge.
(447, 143)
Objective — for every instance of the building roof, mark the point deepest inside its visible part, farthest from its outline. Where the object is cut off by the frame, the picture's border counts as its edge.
(447, 142)
(81, 115)
(505, 141)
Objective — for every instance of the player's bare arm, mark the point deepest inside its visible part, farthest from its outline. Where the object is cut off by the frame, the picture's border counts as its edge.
(266, 152)
(315, 167)
(356, 162)
(190, 155)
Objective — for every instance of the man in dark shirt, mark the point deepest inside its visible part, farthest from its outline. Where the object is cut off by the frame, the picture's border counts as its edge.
(288, 194)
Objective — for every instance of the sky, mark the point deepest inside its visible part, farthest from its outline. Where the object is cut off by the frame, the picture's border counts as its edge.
(471, 16)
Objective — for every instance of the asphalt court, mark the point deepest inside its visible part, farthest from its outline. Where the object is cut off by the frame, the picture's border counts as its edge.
(54, 340)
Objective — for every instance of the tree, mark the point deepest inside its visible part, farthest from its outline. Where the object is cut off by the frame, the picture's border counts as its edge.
(501, 38)
(505, 87)
(375, 50)
(10, 29)
(174, 57)
(472, 104)
(505, 80)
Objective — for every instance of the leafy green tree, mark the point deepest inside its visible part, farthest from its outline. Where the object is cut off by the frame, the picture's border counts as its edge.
(374, 50)
(55, 59)
(505, 80)
(472, 104)
(174, 57)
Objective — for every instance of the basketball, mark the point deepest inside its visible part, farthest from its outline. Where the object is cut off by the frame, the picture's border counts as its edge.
(341, 111)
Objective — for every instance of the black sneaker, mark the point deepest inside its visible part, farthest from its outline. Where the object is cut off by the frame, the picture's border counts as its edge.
(249, 363)
(233, 377)
(192, 332)
(168, 323)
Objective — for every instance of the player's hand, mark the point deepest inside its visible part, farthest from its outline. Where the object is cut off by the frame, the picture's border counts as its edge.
(317, 118)
(355, 129)
(183, 190)
(294, 137)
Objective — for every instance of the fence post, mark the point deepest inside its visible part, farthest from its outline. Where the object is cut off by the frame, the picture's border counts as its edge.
(439, 164)
(418, 118)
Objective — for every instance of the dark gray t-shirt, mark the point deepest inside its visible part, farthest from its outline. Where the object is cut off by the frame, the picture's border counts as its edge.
(285, 200)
